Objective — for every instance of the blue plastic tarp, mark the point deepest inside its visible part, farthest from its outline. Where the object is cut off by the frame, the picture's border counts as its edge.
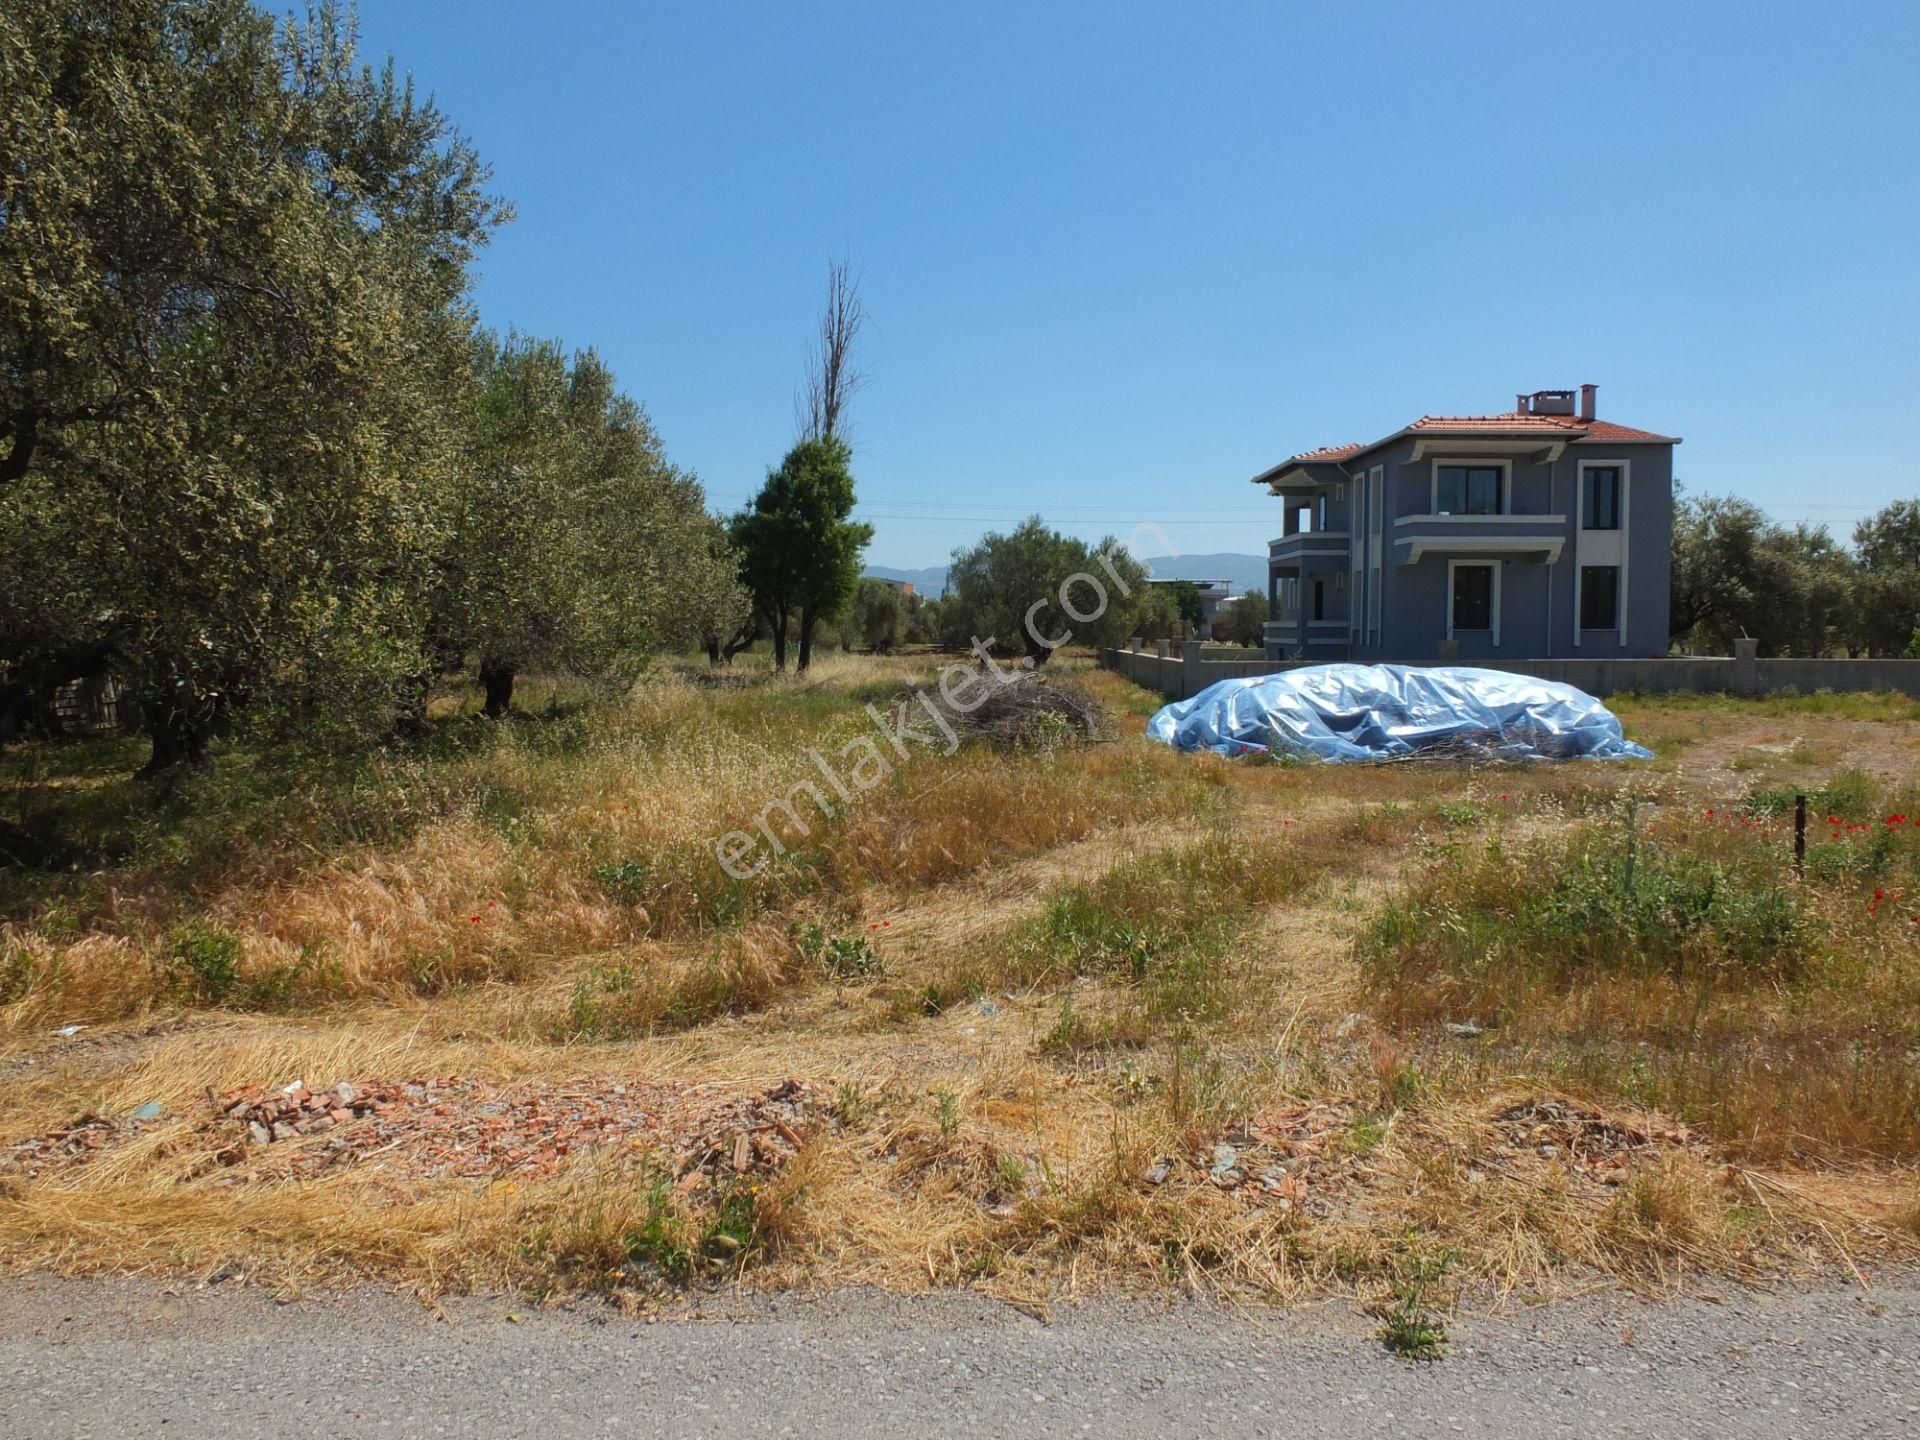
(1380, 712)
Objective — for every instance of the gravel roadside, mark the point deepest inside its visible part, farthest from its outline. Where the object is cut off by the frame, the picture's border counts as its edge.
(130, 1359)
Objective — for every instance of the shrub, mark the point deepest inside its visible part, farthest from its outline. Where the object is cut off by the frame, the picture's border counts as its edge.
(1608, 897)
(201, 964)
(204, 965)
(844, 957)
(19, 974)
(1683, 965)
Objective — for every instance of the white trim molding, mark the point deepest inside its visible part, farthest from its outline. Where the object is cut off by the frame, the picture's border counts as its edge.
(1493, 600)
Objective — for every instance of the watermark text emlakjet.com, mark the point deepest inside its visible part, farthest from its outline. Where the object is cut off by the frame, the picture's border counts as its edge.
(915, 725)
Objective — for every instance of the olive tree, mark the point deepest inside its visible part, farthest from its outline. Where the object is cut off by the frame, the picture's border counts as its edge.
(233, 269)
(1246, 618)
(1034, 589)
(576, 546)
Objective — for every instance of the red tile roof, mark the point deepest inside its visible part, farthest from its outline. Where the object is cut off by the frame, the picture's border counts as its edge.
(1515, 422)
(1607, 430)
(1324, 455)
(1511, 422)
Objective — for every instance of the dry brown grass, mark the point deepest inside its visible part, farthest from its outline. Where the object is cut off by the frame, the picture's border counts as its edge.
(1084, 962)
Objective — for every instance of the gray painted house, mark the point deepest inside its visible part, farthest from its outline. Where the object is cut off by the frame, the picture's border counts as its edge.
(1539, 533)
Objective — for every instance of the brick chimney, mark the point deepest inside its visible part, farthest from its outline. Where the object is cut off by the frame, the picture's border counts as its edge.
(1587, 392)
(1520, 403)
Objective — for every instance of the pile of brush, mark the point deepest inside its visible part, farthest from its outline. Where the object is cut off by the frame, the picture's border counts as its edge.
(1022, 709)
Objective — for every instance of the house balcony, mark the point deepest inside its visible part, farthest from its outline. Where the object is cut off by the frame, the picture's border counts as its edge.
(1523, 537)
(1291, 632)
(1290, 550)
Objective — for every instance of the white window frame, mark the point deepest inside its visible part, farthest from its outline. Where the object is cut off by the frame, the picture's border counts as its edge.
(1451, 461)
(1494, 615)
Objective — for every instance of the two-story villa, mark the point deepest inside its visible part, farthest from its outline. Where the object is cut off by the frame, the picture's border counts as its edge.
(1542, 532)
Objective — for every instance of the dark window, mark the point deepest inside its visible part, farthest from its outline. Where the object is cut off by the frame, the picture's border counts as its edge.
(1473, 597)
(1600, 499)
(1319, 599)
(1469, 490)
(1599, 597)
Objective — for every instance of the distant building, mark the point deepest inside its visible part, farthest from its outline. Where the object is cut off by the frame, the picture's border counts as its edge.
(1213, 593)
(905, 587)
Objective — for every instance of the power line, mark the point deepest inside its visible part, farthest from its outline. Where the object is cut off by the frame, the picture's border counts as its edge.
(907, 510)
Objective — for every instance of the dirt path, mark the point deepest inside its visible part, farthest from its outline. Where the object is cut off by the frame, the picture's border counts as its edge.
(127, 1360)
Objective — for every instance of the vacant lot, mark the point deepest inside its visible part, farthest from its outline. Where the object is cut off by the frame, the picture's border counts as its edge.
(1036, 1015)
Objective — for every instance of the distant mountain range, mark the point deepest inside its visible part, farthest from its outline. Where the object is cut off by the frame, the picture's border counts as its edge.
(1244, 572)
(930, 581)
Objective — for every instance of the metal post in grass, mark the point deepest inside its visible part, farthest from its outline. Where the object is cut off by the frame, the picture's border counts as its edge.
(1800, 835)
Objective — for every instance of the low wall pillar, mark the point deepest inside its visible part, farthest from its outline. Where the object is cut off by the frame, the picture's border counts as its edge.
(1746, 667)
(1190, 682)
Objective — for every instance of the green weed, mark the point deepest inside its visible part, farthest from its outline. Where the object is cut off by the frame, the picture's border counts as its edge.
(658, 1241)
(844, 957)
(1411, 1327)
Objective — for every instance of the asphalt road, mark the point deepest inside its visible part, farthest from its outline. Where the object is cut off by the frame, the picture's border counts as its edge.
(123, 1359)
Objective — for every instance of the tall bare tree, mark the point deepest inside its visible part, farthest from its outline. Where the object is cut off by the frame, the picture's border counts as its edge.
(833, 377)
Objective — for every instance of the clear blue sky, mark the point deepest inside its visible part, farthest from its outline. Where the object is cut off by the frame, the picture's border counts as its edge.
(1121, 257)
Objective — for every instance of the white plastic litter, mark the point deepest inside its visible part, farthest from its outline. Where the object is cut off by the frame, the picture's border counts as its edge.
(1383, 712)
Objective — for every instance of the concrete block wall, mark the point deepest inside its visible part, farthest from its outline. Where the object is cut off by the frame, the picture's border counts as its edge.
(1182, 675)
